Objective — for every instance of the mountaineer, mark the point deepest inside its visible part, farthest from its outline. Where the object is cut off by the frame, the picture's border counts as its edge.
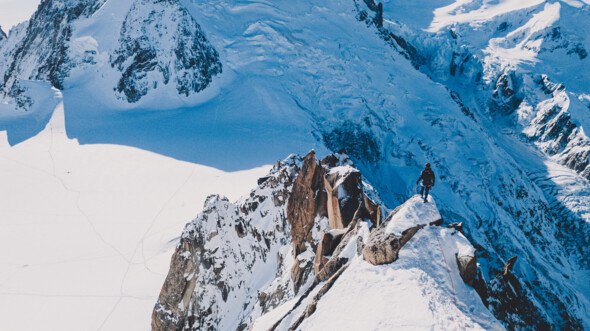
(427, 178)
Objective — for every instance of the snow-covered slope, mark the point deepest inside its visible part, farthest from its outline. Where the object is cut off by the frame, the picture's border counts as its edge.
(485, 107)
(159, 46)
(421, 290)
(87, 231)
(235, 262)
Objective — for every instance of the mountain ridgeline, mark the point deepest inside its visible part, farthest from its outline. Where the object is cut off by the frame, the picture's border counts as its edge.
(283, 248)
(494, 95)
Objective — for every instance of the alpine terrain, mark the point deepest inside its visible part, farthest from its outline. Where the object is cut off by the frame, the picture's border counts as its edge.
(122, 120)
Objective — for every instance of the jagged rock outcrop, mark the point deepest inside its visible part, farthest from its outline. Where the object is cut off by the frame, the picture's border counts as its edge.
(344, 191)
(305, 202)
(161, 43)
(512, 303)
(3, 35)
(337, 260)
(383, 246)
(457, 226)
(329, 188)
(222, 254)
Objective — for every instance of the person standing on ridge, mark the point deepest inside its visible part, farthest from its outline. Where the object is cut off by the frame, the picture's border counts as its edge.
(427, 178)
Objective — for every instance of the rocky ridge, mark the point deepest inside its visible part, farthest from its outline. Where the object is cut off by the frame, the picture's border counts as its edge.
(237, 265)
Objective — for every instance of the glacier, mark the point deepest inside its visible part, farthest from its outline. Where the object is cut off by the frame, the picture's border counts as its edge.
(494, 94)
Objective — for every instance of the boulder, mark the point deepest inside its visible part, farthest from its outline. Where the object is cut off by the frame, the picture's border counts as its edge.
(383, 247)
(467, 268)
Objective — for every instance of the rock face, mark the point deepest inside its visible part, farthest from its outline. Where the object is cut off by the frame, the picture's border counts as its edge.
(161, 42)
(328, 243)
(509, 301)
(329, 188)
(42, 54)
(304, 202)
(344, 191)
(229, 247)
(223, 253)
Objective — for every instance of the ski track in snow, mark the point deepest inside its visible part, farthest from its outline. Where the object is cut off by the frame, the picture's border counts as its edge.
(51, 155)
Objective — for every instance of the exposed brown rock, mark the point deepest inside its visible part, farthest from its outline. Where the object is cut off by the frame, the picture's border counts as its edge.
(335, 262)
(383, 248)
(177, 290)
(457, 226)
(438, 222)
(302, 206)
(311, 307)
(300, 272)
(342, 209)
(330, 161)
(327, 244)
(373, 210)
(408, 234)
(512, 303)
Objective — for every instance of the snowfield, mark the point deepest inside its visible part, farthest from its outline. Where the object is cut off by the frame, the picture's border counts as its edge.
(87, 231)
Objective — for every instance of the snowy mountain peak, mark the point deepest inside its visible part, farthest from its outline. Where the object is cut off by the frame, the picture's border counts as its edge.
(161, 43)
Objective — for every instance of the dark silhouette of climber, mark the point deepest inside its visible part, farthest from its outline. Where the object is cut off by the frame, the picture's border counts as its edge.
(427, 178)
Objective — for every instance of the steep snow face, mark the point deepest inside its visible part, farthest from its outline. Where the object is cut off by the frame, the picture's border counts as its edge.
(422, 289)
(42, 53)
(87, 231)
(161, 43)
(528, 58)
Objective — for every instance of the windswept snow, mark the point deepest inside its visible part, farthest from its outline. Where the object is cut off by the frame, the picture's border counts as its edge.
(87, 231)
(412, 213)
(421, 290)
(466, 11)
